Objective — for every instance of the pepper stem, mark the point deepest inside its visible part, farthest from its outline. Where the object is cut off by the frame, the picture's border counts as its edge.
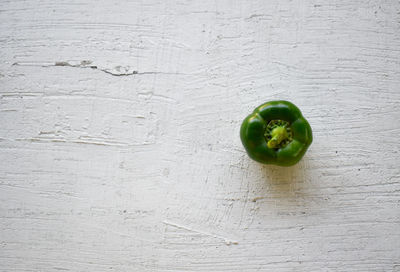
(278, 134)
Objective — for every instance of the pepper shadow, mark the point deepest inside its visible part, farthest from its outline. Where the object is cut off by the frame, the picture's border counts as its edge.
(285, 185)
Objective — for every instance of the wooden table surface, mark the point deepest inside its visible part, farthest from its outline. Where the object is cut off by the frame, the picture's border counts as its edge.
(119, 135)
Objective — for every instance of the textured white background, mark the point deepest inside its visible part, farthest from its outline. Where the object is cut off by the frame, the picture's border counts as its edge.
(119, 135)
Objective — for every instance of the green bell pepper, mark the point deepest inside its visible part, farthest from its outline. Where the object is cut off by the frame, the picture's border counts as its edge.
(276, 133)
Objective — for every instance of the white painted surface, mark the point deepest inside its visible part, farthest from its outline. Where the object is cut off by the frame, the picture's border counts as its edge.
(119, 140)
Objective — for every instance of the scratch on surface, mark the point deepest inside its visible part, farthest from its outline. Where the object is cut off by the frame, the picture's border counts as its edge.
(226, 240)
(82, 141)
(112, 231)
(263, 16)
(56, 193)
(61, 268)
(115, 71)
(151, 94)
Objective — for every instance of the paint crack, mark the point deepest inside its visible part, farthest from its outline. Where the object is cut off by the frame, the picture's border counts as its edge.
(88, 64)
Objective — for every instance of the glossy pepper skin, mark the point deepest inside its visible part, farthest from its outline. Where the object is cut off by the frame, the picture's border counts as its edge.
(276, 133)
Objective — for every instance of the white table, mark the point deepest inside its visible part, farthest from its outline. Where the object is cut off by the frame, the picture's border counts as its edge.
(119, 136)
